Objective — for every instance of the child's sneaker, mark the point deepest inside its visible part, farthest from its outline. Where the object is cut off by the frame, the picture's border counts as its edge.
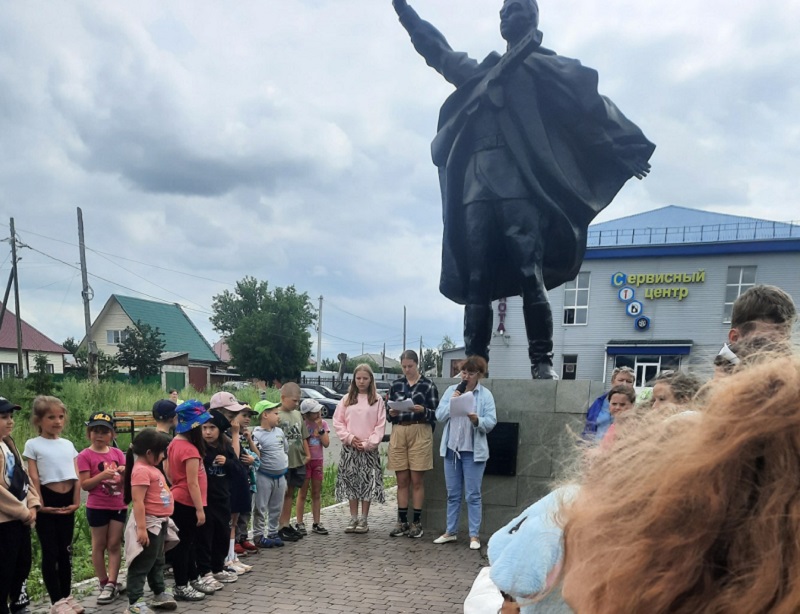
(226, 577)
(107, 594)
(415, 530)
(75, 605)
(361, 526)
(351, 526)
(319, 529)
(300, 527)
(277, 542)
(288, 534)
(140, 607)
(248, 546)
(188, 593)
(163, 601)
(207, 588)
(238, 550)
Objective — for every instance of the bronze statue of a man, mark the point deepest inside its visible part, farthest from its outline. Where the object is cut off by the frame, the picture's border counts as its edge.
(528, 154)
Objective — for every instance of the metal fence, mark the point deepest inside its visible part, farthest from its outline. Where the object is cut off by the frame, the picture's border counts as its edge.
(709, 233)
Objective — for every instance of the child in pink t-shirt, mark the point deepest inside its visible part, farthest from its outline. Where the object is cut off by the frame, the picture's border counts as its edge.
(147, 488)
(317, 441)
(101, 469)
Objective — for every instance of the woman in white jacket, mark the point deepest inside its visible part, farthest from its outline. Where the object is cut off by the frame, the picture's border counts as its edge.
(465, 449)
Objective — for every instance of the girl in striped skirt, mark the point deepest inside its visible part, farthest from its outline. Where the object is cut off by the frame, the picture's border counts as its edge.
(360, 422)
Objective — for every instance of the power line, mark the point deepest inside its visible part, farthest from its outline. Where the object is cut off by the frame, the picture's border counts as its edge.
(361, 317)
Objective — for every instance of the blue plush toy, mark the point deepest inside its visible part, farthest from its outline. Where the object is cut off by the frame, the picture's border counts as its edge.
(525, 551)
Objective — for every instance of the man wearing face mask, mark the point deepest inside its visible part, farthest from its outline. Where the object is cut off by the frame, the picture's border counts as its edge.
(528, 154)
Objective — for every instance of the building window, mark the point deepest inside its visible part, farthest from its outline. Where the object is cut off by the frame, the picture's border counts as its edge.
(576, 300)
(646, 368)
(8, 369)
(740, 278)
(569, 366)
(115, 337)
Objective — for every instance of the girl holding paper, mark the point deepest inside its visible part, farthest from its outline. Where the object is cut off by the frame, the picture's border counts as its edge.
(468, 414)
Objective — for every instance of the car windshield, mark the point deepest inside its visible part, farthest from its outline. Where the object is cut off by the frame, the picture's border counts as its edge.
(312, 394)
(328, 390)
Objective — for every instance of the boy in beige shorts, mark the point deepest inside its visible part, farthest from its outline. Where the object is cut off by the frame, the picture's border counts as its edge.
(411, 442)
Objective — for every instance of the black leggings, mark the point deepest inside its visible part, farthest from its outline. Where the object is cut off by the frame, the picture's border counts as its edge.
(213, 541)
(184, 555)
(15, 564)
(55, 536)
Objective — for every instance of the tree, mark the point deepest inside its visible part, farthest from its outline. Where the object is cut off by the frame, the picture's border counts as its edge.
(141, 350)
(107, 365)
(40, 381)
(267, 331)
(430, 360)
(329, 364)
(446, 344)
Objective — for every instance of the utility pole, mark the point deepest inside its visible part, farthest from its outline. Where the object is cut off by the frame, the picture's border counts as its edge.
(404, 328)
(14, 270)
(88, 294)
(383, 359)
(420, 353)
(319, 335)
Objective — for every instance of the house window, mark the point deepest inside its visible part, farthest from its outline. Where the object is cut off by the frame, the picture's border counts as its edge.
(115, 337)
(8, 369)
(740, 278)
(569, 366)
(576, 300)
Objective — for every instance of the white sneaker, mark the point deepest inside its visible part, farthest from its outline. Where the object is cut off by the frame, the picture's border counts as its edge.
(445, 538)
(474, 544)
(238, 567)
(225, 577)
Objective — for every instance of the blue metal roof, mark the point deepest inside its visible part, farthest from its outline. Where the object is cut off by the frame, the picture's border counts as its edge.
(675, 225)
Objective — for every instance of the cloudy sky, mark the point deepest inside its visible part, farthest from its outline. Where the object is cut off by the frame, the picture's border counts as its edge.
(206, 141)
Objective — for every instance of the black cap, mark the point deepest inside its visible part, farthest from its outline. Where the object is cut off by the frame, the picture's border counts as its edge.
(219, 420)
(164, 410)
(7, 406)
(100, 418)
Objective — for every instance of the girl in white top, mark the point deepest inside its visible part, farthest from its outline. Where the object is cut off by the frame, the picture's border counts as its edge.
(53, 469)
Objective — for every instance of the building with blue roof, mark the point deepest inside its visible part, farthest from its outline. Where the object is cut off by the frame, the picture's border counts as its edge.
(187, 357)
(655, 292)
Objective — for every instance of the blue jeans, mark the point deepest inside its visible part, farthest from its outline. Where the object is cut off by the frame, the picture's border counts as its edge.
(463, 474)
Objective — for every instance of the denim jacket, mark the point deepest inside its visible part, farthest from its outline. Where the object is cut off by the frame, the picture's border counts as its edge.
(487, 418)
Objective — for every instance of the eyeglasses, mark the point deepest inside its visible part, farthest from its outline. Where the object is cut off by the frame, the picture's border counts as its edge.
(470, 373)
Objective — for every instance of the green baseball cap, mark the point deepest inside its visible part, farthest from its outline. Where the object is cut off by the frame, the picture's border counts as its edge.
(261, 406)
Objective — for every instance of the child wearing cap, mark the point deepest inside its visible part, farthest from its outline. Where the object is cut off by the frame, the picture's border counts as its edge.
(311, 409)
(18, 504)
(53, 469)
(274, 448)
(212, 545)
(189, 491)
(101, 470)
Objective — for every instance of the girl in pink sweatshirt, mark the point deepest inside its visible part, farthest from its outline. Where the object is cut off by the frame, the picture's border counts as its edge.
(360, 422)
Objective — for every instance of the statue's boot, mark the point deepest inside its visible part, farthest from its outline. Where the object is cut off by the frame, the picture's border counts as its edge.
(539, 328)
(477, 330)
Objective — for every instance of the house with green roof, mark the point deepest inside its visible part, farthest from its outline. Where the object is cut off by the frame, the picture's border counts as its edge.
(187, 357)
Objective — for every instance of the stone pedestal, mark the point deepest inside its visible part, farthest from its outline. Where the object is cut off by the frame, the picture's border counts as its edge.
(546, 412)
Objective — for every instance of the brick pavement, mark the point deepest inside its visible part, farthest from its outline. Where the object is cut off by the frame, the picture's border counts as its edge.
(346, 573)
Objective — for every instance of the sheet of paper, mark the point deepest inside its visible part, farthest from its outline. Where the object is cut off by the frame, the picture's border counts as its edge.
(406, 405)
(462, 405)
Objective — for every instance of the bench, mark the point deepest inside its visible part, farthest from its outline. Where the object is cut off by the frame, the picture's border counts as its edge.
(130, 421)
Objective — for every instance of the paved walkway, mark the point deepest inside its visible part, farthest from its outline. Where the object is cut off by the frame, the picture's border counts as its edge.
(346, 573)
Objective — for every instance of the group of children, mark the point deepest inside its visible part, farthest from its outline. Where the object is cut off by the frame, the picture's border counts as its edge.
(192, 496)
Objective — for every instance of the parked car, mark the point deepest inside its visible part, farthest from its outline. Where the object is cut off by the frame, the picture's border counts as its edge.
(328, 404)
(325, 391)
